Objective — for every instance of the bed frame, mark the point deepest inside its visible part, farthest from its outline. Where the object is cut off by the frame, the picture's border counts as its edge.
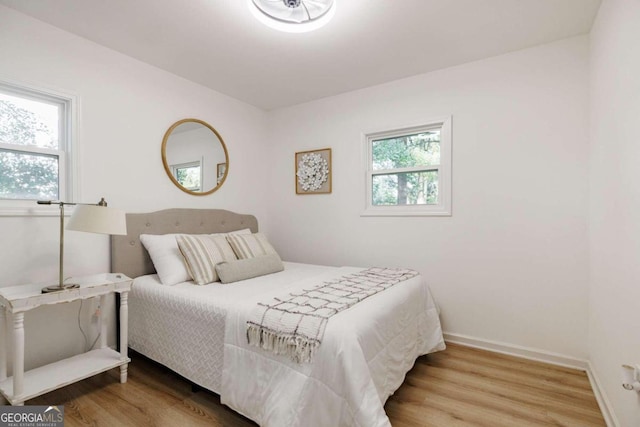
(129, 257)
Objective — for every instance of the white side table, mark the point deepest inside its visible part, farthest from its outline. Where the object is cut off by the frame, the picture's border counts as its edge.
(16, 300)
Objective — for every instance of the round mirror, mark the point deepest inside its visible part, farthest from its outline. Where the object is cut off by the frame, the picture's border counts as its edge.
(195, 157)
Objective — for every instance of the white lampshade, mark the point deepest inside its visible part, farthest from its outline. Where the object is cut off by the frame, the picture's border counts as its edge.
(98, 219)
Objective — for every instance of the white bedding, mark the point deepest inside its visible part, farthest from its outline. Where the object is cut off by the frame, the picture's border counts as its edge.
(200, 332)
(182, 326)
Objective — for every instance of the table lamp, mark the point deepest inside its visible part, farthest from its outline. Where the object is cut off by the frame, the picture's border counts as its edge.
(91, 218)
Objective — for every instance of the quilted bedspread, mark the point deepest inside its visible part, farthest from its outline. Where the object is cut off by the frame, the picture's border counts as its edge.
(200, 332)
(363, 359)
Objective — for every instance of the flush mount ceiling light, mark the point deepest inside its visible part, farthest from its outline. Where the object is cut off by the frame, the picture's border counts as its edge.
(293, 16)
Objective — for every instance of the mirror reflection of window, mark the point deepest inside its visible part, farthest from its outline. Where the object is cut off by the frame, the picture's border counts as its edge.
(189, 175)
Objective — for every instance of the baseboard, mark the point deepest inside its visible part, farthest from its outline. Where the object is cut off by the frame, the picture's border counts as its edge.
(519, 351)
(547, 357)
(605, 406)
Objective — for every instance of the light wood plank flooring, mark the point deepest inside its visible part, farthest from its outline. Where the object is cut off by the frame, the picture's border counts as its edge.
(457, 387)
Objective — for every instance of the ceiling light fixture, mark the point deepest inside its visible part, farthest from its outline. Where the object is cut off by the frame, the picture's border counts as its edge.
(293, 16)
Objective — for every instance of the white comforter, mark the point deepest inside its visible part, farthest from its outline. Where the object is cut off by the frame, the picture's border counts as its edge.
(363, 359)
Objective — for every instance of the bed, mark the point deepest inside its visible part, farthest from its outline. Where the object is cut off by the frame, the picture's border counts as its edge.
(200, 332)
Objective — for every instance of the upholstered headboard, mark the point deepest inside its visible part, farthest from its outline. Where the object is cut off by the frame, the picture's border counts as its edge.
(128, 256)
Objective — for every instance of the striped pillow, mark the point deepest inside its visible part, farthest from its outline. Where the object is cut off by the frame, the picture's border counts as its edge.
(250, 245)
(202, 253)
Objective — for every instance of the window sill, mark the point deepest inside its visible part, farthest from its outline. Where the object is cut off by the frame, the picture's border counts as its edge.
(402, 211)
(40, 211)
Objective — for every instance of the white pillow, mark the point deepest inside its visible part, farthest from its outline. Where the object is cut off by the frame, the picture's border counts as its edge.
(166, 257)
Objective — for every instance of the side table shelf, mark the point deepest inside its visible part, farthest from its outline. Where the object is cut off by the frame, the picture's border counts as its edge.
(59, 374)
(16, 300)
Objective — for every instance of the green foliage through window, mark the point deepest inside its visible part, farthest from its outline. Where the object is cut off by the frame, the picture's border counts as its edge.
(27, 176)
(418, 188)
(29, 156)
(422, 149)
(406, 169)
(26, 122)
(188, 177)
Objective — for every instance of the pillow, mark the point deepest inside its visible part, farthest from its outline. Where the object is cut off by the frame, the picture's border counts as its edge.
(202, 253)
(243, 231)
(250, 245)
(166, 257)
(241, 269)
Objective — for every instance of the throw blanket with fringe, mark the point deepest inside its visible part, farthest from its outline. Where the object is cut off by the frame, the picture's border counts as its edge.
(294, 325)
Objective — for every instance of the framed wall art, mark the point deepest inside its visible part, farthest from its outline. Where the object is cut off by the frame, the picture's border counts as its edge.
(313, 171)
(221, 168)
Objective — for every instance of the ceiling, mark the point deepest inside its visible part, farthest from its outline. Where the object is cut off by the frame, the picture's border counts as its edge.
(219, 44)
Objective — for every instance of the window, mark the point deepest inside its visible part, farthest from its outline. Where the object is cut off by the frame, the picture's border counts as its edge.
(35, 146)
(189, 175)
(408, 171)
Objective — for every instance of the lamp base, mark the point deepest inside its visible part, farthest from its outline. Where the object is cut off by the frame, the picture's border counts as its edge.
(58, 288)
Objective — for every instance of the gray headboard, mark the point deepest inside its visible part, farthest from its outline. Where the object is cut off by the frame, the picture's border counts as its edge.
(128, 256)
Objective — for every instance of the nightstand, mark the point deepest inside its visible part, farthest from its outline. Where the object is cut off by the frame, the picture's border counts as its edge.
(16, 300)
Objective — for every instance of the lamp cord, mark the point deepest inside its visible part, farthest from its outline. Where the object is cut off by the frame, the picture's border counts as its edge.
(86, 340)
(80, 326)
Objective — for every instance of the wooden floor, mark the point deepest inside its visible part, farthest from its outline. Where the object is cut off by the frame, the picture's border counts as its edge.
(457, 387)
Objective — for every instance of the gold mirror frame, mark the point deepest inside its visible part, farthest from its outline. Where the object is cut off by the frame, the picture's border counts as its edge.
(167, 167)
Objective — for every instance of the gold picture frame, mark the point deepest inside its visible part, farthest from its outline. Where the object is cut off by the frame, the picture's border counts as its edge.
(313, 171)
(221, 168)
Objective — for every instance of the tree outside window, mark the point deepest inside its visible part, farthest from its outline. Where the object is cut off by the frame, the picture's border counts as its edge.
(189, 175)
(410, 157)
(31, 154)
(408, 171)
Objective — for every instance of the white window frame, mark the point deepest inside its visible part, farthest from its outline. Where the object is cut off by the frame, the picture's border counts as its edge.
(67, 152)
(443, 207)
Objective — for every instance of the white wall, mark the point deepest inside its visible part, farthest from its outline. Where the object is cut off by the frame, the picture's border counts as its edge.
(125, 107)
(614, 336)
(510, 265)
